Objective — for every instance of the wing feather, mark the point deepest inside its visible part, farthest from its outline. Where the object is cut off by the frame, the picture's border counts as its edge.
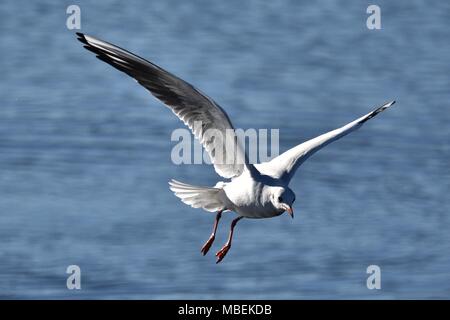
(285, 165)
(199, 112)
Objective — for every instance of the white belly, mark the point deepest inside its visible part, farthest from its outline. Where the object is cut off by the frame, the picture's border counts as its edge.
(245, 199)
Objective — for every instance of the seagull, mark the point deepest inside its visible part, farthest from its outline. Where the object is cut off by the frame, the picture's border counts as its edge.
(253, 191)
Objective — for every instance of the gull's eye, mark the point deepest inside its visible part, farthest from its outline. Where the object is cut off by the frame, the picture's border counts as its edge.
(280, 199)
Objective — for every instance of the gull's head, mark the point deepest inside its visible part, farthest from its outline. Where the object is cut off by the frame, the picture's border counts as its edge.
(283, 200)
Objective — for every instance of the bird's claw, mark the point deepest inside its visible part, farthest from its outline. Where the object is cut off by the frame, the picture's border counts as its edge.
(222, 252)
(207, 245)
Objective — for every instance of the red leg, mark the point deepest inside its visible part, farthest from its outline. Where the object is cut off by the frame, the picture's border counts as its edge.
(223, 252)
(210, 241)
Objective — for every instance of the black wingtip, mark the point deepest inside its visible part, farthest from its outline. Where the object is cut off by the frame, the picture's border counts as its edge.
(377, 111)
(81, 37)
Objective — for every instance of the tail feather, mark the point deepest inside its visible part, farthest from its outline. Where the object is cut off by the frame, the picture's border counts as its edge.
(208, 198)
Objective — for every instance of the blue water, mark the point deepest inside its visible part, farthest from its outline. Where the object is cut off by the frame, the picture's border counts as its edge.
(85, 151)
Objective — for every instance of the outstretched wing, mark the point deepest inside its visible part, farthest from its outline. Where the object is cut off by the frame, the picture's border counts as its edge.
(285, 165)
(207, 120)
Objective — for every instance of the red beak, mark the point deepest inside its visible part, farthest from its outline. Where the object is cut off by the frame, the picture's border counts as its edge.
(290, 211)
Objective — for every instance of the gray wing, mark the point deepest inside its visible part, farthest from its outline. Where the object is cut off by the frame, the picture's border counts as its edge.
(284, 166)
(207, 120)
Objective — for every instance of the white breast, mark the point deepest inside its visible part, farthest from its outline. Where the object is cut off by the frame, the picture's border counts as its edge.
(248, 199)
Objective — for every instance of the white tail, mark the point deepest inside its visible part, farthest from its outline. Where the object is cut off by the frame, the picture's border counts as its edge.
(208, 198)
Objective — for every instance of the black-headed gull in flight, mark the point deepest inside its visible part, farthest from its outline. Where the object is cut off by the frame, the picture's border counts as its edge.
(254, 191)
